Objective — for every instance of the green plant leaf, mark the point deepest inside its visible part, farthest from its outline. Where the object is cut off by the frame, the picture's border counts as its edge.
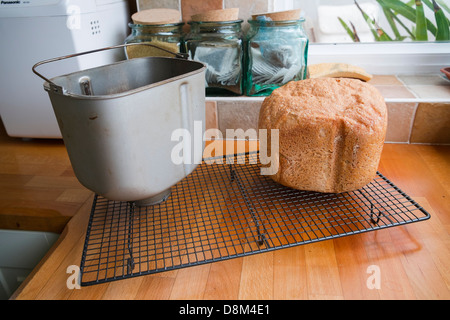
(392, 19)
(442, 23)
(369, 22)
(443, 5)
(400, 22)
(389, 17)
(430, 5)
(353, 35)
(378, 33)
(408, 12)
(381, 33)
(421, 24)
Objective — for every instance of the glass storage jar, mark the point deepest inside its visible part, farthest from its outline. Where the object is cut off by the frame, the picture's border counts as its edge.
(219, 45)
(166, 36)
(276, 53)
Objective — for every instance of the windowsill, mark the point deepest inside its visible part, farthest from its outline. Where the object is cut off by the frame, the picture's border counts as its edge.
(380, 58)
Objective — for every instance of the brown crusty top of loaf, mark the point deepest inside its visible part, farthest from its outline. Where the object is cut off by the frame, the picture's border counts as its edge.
(358, 102)
(331, 133)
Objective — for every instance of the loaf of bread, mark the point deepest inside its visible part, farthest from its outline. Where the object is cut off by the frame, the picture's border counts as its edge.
(331, 133)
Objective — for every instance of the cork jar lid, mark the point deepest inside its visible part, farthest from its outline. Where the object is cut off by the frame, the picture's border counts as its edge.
(230, 14)
(156, 16)
(280, 15)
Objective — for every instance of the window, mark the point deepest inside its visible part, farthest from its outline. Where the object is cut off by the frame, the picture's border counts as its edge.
(331, 42)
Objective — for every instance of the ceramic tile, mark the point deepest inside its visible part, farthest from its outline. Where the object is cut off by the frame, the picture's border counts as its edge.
(427, 86)
(431, 91)
(244, 115)
(396, 92)
(431, 124)
(211, 115)
(151, 4)
(238, 115)
(391, 87)
(385, 80)
(247, 8)
(400, 120)
(429, 80)
(191, 7)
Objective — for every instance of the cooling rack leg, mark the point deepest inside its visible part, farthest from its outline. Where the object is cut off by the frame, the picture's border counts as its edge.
(375, 214)
(232, 173)
(372, 214)
(260, 238)
(130, 260)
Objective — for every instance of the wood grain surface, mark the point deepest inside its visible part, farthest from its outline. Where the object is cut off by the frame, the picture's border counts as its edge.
(38, 191)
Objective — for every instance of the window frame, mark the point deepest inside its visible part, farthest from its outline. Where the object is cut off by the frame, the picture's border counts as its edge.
(383, 58)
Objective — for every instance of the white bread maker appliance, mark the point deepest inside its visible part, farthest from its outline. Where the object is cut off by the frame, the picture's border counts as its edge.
(35, 30)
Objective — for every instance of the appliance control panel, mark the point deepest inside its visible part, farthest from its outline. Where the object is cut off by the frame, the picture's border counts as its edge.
(26, 3)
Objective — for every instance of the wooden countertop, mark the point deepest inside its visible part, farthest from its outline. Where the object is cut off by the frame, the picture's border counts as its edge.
(40, 192)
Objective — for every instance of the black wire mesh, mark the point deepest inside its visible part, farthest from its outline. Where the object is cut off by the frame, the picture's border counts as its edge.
(222, 211)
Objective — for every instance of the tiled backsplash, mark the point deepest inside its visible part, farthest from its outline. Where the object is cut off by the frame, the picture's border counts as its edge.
(191, 7)
(418, 109)
(418, 106)
(431, 124)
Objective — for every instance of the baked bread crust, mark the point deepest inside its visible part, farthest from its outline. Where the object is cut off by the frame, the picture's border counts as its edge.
(331, 133)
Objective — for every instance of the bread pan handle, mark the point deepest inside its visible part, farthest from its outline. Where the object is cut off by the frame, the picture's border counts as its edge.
(58, 89)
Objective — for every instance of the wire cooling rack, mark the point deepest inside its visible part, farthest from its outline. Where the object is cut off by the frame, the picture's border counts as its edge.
(227, 210)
